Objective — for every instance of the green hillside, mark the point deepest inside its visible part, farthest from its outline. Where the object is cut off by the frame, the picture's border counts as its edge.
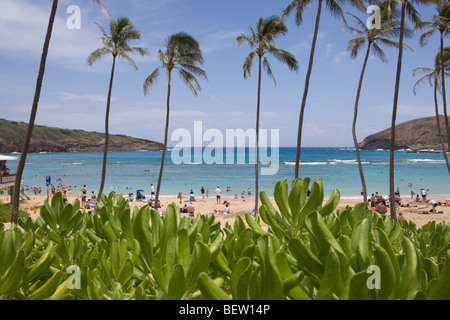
(16, 131)
(49, 139)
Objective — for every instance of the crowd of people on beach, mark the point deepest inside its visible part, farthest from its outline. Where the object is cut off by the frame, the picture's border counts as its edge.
(190, 208)
(375, 202)
(380, 204)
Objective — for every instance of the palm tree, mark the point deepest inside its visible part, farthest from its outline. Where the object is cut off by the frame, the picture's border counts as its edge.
(372, 37)
(34, 107)
(433, 76)
(440, 22)
(299, 6)
(407, 9)
(262, 41)
(182, 53)
(117, 44)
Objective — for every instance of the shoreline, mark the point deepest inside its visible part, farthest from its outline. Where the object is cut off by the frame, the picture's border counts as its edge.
(231, 195)
(238, 207)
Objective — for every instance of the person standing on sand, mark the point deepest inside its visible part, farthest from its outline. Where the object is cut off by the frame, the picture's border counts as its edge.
(83, 200)
(152, 189)
(218, 193)
(202, 190)
(207, 193)
(424, 195)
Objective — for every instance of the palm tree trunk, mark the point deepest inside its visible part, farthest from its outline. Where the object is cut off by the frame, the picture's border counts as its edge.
(305, 92)
(392, 206)
(166, 132)
(436, 109)
(355, 115)
(105, 151)
(37, 94)
(443, 93)
(257, 140)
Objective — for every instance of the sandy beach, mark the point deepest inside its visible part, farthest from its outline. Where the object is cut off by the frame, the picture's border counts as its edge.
(238, 207)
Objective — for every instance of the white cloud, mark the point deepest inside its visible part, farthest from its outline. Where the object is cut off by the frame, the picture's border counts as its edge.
(24, 26)
(415, 111)
(219, 40)
(339, 57)
(329, 49)
(67, 96)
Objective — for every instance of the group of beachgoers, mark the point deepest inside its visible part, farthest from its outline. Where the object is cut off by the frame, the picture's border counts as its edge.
(205, 193)
(190, 208)
(380, 204)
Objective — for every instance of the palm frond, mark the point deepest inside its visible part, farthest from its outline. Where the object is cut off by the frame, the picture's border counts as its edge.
(392, 43)
(162, 57)
(362, 26)
(353, 30)
(97, 55)
(144, 52)
(354, 45)
(263, 41)
(127, 58)
(377, 51)
(299, 7)
(335, 9)
(104, 33)
(194, 69)
(446, 56)
(150, 81)
(285, 57)
(182, 52)
(179, 44)
(423, 41)
(429, 75)
(117, 41)
(266, 66)
(413, 15)
(189, 79)
(248, 64)
(273, 27)
(357, 4)
(103, 9)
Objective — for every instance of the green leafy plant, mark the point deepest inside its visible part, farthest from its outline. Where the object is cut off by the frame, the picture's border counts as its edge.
(308, 251)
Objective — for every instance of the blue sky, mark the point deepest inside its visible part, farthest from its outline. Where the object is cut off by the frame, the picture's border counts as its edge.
(74, 94)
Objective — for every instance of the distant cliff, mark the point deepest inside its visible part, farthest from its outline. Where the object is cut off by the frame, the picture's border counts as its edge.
(418, 134)
(49, 139)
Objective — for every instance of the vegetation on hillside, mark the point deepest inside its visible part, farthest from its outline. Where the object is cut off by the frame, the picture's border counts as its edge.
(16, 131)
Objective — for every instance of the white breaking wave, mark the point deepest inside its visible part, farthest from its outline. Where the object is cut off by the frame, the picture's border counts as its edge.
(353, 161)
(328, 162)
(314, 163)
(427, 160)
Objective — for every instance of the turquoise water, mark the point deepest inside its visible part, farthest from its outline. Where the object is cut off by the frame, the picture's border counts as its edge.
(129, 171)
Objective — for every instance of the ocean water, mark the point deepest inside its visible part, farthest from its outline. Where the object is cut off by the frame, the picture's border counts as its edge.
(129, 171)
